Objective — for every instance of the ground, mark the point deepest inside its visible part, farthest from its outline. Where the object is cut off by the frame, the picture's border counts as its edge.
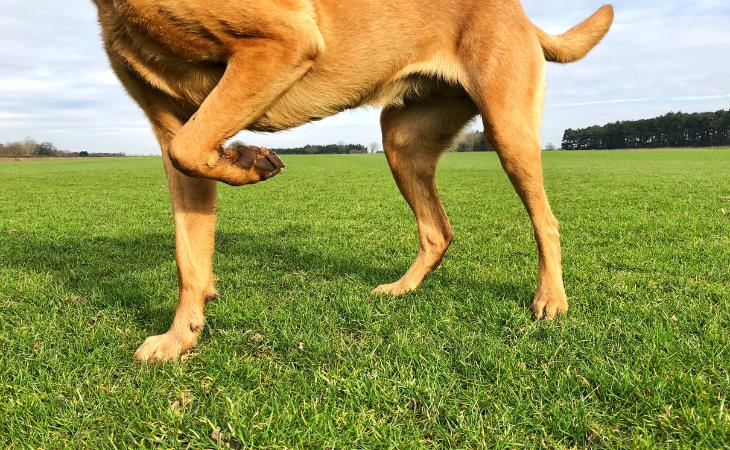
(297, 354)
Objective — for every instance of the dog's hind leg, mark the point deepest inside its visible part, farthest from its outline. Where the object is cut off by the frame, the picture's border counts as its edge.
(414, 137)
(510, 97)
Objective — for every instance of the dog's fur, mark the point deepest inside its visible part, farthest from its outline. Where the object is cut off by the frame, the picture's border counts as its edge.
(203, 70)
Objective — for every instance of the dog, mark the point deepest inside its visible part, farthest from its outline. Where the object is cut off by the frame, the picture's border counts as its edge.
(203, 70)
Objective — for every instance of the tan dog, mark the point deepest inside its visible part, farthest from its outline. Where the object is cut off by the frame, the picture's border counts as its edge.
(203, 70)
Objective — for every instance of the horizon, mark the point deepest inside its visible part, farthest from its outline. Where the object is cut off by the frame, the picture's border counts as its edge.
(454, 148)
(62, 90)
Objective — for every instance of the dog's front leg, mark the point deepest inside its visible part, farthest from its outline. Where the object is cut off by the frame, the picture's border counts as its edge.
(194, 211)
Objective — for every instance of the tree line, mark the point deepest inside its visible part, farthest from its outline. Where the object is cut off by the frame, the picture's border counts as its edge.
(709, 129)
(470, 141)
(29, 148)
(332, 149)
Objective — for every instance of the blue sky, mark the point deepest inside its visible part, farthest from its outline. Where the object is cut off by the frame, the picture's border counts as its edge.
(661, 56)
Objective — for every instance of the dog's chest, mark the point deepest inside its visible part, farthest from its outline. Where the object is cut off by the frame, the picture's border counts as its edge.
(175, 54)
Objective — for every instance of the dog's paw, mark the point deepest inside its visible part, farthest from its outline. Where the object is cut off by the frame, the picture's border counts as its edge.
(162, 348)
(396, 289)
(251, 164)
(549, 304)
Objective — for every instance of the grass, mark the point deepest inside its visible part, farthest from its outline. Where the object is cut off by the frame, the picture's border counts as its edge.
(297, 354)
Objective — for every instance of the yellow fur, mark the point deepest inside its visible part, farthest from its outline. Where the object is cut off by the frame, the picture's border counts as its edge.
(203, 70)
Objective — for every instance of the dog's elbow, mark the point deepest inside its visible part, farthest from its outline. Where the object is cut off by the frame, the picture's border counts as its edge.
(307, 38)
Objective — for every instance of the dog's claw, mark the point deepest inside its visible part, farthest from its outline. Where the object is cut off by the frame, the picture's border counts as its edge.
(549, 307)
(274, 160)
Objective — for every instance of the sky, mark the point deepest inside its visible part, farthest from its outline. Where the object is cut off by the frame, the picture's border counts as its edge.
(661, 56)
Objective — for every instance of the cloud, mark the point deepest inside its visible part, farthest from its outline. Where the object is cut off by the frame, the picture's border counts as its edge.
(688, 98)
(659, 57)
(55, 82)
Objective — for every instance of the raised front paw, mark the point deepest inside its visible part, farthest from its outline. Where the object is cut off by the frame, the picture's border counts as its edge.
(250, 164)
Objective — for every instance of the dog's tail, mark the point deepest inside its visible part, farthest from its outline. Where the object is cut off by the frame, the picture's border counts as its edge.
(579, 40)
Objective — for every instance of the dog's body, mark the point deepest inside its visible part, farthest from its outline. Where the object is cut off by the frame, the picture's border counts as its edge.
(205, 70)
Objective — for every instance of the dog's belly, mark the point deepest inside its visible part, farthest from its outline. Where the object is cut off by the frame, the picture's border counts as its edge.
(307, 101)
(332, 86)
(312, 100)
(173, 52)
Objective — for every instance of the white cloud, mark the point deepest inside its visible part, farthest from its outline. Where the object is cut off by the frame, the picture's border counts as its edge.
(689, 98)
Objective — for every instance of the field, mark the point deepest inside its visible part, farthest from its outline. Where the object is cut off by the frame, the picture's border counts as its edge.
(297, 354)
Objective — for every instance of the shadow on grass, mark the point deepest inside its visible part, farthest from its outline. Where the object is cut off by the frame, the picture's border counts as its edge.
(136, 273)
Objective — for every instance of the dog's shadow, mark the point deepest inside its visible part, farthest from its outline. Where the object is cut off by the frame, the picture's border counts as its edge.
(137, 272)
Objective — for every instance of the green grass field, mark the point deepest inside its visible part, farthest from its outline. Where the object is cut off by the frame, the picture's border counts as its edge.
(297, 354)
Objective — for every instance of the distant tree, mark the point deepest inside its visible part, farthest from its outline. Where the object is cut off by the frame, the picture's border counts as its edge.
(27, 147)
(45, 149)
(21, 149)
(374, 147)
(550, 146)
(472, 141)
(83, 154)
(331, 149)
